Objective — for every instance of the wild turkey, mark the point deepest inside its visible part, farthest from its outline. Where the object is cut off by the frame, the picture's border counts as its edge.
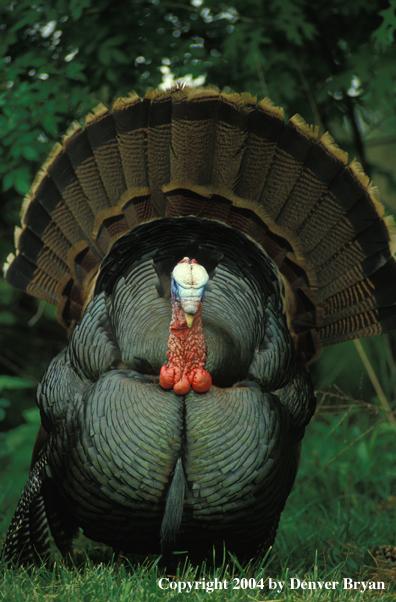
(288, 247)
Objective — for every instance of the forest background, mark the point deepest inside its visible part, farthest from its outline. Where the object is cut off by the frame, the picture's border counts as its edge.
(331, 61)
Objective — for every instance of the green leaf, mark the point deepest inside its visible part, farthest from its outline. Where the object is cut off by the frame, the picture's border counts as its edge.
(76, 72)
(292, 21)
(116, 40)
(22, 182)
(49, 124)
(8, 181)
(111, 76)
(4, 403)
(14, 382)
(7, 292)
(120, 56)
(16, 441)
(30, 17)
(30, 153)
(78, 6)
(104, 54)
(32, 416)
(8, 318)
(384, 36)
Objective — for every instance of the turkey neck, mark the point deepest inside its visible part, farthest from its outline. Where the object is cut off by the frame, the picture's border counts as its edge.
(188, 340)
(187, 350)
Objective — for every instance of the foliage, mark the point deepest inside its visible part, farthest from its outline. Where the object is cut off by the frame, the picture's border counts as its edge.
(10, 382)
(332, 61)
(16, 451)
(61, 58)
(384, 35)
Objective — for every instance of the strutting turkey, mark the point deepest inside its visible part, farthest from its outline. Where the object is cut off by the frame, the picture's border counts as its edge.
(174, 418)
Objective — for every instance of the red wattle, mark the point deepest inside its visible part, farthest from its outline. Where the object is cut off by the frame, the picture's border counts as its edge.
(182, 387)
(166, 378)
(201, 380)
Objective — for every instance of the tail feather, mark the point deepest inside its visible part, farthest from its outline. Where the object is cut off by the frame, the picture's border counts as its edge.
(46, 199)
(294, 146)
(223, 157)
(347, 239)
(39, 221)
(193, 139)
(137, 207)
(38, 254)
(157, 149)
(24, 277)
(335, 281)
(61, 171)
(102, 135)
(131, 117)
(230, 128)
(320, 169)
(78, 148)
(363, 325)
(173, 511)
(265, 127)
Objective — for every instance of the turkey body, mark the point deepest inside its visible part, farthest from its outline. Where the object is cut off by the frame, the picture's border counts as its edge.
(238, 443)
(297, 256)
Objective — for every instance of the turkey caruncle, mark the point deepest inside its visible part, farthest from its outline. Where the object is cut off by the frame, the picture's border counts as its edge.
(174, 418)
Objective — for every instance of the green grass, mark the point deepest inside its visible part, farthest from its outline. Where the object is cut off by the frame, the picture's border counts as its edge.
(96, 583)
(341, 510)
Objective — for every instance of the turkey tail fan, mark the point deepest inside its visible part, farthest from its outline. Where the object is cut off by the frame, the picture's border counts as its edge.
(223, 157)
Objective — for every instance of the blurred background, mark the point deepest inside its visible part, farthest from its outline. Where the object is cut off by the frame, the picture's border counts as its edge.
(333, 62)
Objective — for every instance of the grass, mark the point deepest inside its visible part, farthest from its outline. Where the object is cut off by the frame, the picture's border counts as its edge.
(341, 511)
(98, 583)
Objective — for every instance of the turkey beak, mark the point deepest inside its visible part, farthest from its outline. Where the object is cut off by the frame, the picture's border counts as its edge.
(189, 319)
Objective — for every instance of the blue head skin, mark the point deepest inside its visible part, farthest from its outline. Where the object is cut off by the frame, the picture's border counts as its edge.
(188, 287)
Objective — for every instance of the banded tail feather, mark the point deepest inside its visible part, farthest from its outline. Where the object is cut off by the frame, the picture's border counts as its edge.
(204, 153)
